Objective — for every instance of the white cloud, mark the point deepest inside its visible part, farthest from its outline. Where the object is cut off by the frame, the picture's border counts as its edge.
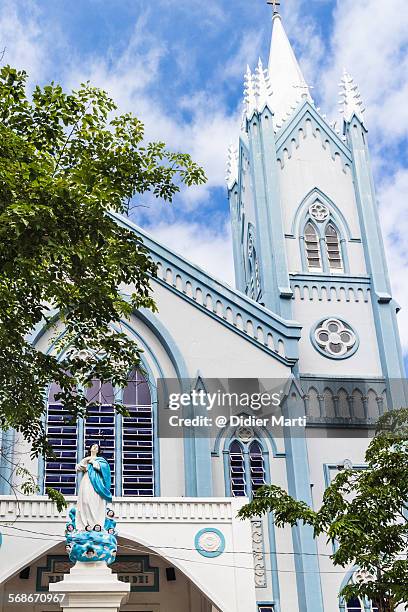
(128, 79)
(394, 222)
(24, 41)
(209, 247)
(247, 53)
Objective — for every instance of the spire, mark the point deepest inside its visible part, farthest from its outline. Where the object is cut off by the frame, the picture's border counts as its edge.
(350, 102)
(286, 78)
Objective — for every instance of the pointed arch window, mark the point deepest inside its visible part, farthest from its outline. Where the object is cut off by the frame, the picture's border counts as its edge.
(312, 247)
(333, 248)
(237, 470)
(127, 442)
(323, 236)
(246, 468)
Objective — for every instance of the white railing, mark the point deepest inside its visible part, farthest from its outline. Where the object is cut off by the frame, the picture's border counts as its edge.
(127, 509)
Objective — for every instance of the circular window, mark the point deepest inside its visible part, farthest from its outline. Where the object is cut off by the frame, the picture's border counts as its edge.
(334, 338)
(319, 211)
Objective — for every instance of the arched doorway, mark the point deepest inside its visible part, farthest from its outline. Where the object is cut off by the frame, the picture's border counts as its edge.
(157, 585)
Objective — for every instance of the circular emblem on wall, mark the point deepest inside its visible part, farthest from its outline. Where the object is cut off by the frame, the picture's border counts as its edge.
(334, 338)
(319, 211)
(348, 464)
(245, 433)
(82, 354)
(363, 576)
(209, 542)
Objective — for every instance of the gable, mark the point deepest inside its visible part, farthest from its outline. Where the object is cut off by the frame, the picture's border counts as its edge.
(289, 135)
(216, 300)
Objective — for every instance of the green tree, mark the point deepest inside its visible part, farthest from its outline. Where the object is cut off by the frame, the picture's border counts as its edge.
(364, 512)
(66, 164)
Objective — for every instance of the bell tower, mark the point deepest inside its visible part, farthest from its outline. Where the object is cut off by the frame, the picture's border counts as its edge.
(308, 246)
(306, 234)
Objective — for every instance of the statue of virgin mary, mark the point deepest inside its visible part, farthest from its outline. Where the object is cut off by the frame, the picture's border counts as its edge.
(94, 491)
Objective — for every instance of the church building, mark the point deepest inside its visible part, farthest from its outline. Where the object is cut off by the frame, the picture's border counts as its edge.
(312, 305)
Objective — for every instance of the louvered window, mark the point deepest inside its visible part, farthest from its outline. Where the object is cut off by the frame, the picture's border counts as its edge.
(333, 248)
(237, 470)
(354, 605)
(134, 475)
(62, 434)
(256, 465)
(312, 246)
(138, 459)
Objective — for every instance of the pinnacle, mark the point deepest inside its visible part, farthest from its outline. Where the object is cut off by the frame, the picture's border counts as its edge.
(258, 91)
(350, 101)
(232, 166)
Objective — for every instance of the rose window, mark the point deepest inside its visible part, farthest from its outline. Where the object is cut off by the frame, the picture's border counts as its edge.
(335, 338)
(319, 211)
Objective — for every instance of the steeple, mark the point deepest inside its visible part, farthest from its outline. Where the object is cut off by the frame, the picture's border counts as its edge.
(287, 82)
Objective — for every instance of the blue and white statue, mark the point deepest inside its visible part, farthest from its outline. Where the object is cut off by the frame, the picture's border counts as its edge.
(94, 491)
(90, 530)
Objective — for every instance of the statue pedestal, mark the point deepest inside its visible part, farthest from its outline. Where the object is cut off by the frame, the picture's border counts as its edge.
(91, 587)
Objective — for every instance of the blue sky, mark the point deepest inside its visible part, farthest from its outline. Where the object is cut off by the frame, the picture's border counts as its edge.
(179, 65)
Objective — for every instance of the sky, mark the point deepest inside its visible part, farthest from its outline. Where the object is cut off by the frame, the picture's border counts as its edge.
(179, 64)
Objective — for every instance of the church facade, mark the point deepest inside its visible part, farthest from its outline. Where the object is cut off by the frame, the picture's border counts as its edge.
(312, 306)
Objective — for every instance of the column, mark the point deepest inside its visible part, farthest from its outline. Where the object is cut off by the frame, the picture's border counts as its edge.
(92, 587)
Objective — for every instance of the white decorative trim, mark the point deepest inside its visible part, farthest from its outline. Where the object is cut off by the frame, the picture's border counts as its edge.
(257, 90)
(132, 510)
(258, 553)
(350, 102)
(249, 93)
(262, 86)
(232, 166)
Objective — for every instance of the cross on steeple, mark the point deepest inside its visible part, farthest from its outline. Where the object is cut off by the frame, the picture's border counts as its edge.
(275, 4)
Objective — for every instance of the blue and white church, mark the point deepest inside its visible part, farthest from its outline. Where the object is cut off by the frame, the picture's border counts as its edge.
(312, 303)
